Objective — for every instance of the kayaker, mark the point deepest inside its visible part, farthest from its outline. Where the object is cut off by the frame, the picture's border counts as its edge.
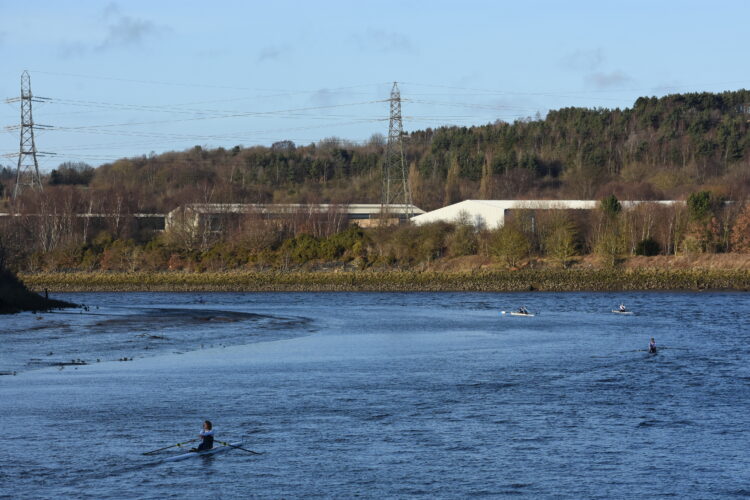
(652, 346)
(207, 437)
(622, 308)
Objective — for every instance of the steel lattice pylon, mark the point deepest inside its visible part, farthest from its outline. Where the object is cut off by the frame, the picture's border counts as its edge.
(396, 189)
(27, 171)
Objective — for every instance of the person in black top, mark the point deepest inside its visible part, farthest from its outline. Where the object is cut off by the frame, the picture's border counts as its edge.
(207, 437)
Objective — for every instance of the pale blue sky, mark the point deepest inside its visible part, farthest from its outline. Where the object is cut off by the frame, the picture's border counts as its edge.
(130, 77)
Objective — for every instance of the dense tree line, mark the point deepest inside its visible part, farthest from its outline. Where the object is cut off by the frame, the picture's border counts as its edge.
(674, 147)
(59, 242)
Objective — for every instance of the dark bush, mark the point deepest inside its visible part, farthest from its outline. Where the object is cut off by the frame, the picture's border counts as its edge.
(71, 173)
(648, 247)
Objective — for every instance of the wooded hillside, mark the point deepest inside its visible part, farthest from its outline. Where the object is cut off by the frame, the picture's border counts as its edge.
(661, 148)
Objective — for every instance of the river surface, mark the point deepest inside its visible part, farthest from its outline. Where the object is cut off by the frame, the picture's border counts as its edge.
(379, 395)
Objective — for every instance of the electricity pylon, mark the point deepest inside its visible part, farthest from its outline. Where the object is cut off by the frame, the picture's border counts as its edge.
(396, 189)
(27, 170)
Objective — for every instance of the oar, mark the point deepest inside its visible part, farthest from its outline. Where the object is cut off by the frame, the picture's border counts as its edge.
(240, 448)
(167, 447)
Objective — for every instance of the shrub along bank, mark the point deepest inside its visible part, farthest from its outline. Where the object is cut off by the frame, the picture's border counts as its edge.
(612, 279)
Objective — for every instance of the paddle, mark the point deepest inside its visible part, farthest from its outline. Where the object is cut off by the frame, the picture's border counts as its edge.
(239, 448)
(167, 447)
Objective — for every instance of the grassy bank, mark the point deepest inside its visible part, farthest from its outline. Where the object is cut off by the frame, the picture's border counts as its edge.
(400, 281)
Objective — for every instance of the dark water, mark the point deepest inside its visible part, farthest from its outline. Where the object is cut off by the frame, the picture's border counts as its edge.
(381, 396)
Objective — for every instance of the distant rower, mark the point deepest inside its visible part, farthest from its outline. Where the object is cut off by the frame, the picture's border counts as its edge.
(652, 346)
(622, 308)
(207, 437)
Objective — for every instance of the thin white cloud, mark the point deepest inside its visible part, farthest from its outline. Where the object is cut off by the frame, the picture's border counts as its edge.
(330, 97)
(122, 32)
(603, 80)
(667, 88)
(73, 49)
(324, 97)
(591, 64)
(584, 60)
(111, 10)
(378, 40)
(272, 53)
(128, 31)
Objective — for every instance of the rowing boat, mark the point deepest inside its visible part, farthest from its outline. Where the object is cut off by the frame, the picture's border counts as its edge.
(212, 451)
(623, 312)
(516, 313)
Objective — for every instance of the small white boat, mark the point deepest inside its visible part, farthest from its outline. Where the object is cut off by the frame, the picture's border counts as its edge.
(517, 313)
(191, 454)
(617, 311)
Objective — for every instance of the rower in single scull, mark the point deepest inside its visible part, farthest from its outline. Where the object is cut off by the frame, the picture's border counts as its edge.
(207, 437)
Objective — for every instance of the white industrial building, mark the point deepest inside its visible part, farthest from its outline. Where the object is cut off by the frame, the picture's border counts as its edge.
(490, 214)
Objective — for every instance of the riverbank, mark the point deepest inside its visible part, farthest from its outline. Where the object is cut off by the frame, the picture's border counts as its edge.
(400, 281)
(16, 297)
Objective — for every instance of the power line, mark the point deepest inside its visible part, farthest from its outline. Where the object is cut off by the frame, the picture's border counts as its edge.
(571, 93)
(201, 85)
(427, 110)
(220, 116)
